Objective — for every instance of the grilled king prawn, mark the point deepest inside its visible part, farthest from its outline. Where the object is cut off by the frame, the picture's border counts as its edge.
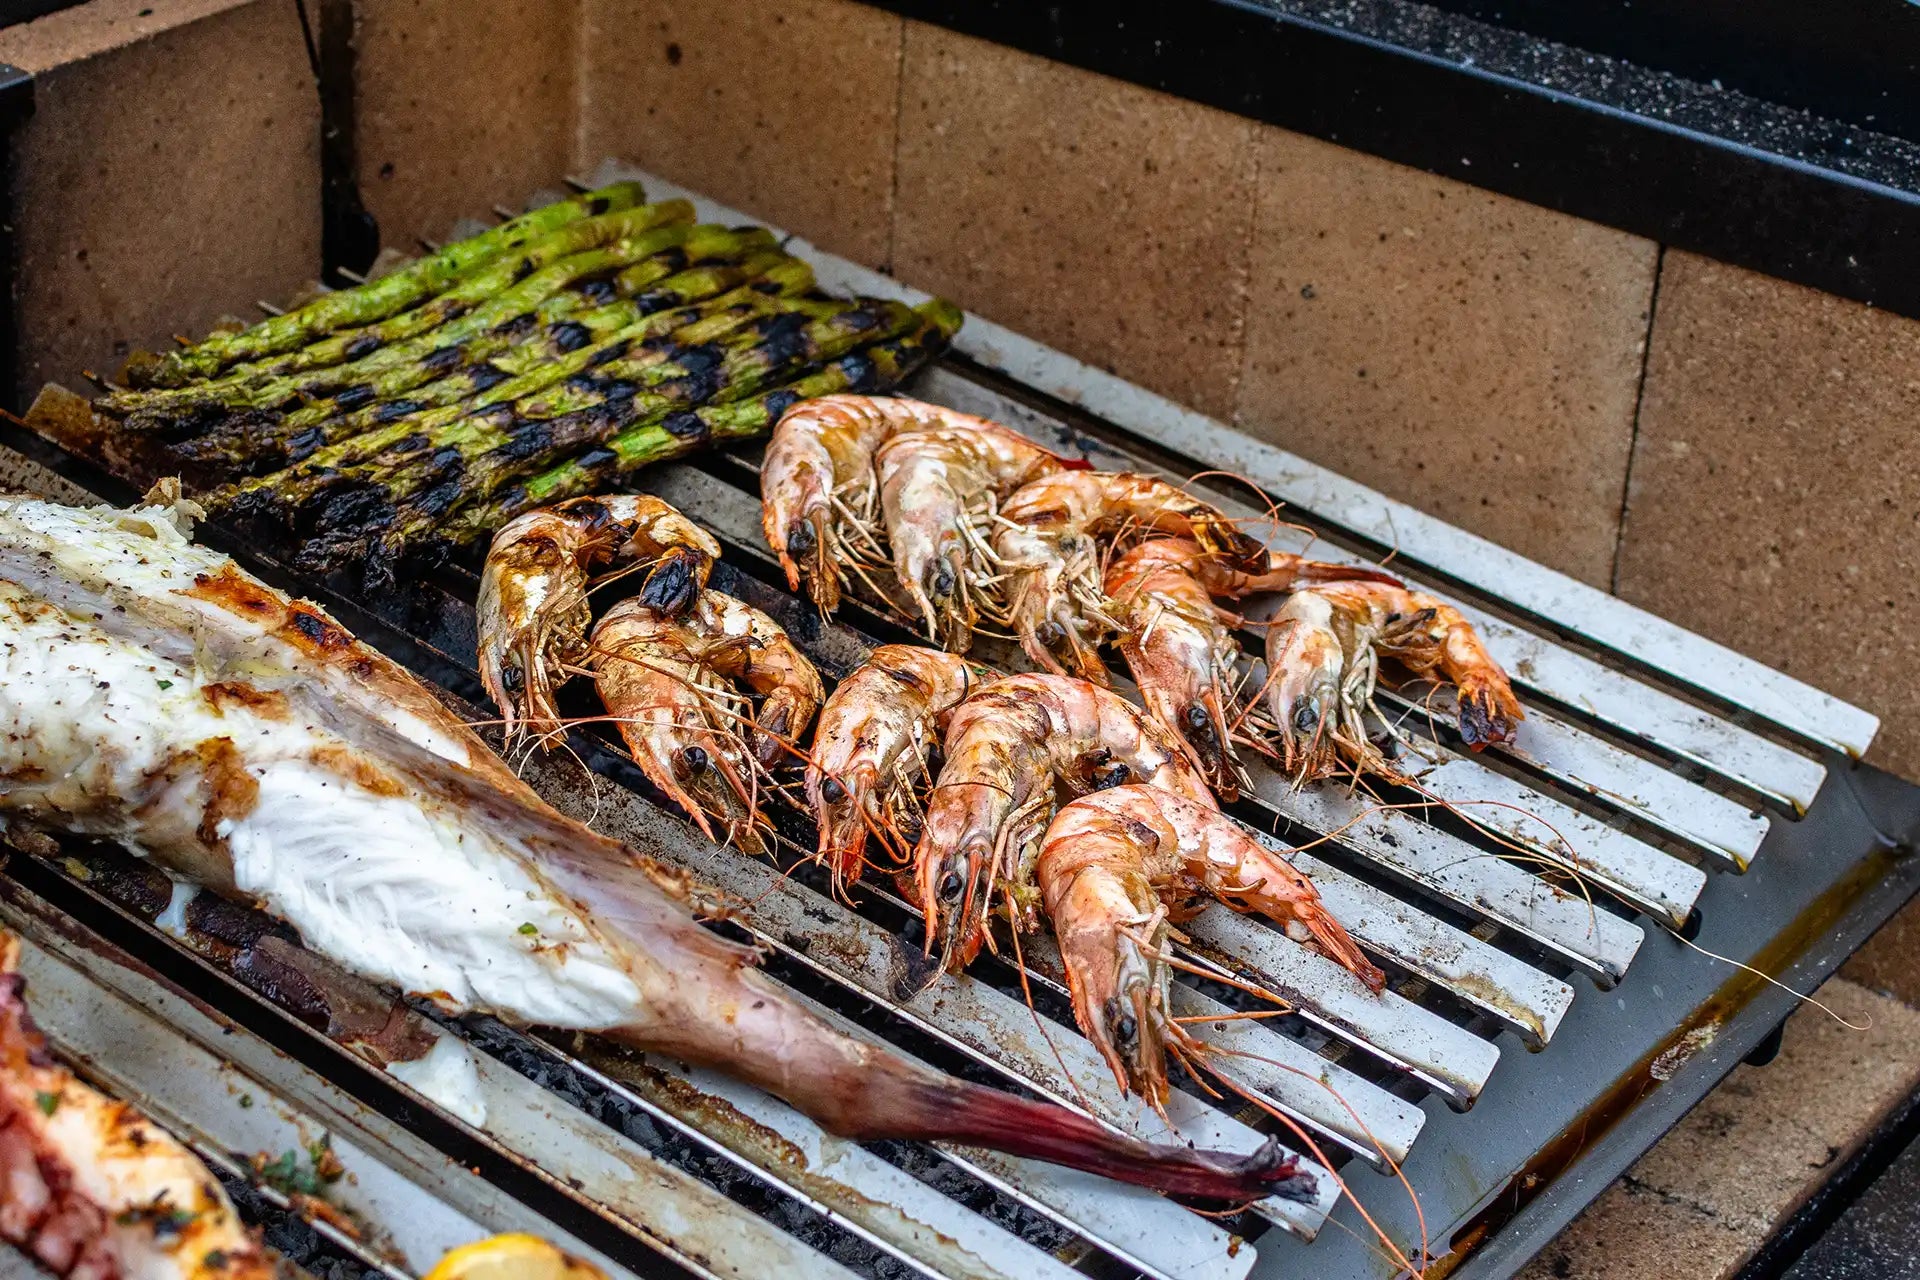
(153, 693)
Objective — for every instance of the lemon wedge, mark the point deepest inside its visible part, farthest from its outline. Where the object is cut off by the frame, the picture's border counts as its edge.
(512, 1257)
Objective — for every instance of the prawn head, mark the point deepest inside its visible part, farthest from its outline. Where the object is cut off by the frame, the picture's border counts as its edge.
(1113, 933)
(954, 883)
(1306, 669)
(676, 725)
(532, 614)
(845, 813)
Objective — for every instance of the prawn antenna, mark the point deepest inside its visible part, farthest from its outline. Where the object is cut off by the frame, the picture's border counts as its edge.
(1772, 981)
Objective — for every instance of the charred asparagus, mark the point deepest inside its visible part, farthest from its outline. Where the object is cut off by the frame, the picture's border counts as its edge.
(872, 368)
(384, 514)
(537, 355)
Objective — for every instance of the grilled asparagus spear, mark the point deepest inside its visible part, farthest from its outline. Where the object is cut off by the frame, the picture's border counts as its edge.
(378, 299)
(399, 510)
(702, 363)
(874, 368)
(336, 449)
(536, 354)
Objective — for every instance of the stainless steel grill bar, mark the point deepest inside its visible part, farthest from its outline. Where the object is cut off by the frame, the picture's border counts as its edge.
(1130, 1223)
(1716, 825)
(1315, 1091)
(1436, 860)
(1644, 877)
(1480, 975)
(1559, 920)
(1639, 874)
(339, 1240)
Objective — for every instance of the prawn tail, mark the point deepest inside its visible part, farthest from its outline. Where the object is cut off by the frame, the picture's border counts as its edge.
(1339, 946)
(1488, 710)
(1219, 536)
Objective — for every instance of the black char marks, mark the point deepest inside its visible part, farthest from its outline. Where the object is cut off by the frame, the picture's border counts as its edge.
(486, 375)
(685, 426)
(612, 351)
(568, 335)
(442, 360)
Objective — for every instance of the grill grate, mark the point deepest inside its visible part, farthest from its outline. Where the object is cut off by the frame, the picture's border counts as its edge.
(1656, 763)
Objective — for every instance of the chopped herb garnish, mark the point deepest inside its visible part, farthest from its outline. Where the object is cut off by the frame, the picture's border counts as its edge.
(166, 684)
(47, 1102)
(285, 1173)
(529, 928)
(246, 1102)
(326, 1165)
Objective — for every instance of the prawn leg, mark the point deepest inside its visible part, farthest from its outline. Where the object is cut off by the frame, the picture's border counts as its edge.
(1108, 866)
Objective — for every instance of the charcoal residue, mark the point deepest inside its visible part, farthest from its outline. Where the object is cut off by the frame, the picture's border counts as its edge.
(718, 1172)
(293, 1238)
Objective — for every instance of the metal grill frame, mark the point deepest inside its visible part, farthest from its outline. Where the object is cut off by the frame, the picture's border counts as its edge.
(1561, 1123)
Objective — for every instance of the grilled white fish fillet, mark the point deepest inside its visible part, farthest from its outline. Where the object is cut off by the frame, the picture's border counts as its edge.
(153, 693)
(89, 1187)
